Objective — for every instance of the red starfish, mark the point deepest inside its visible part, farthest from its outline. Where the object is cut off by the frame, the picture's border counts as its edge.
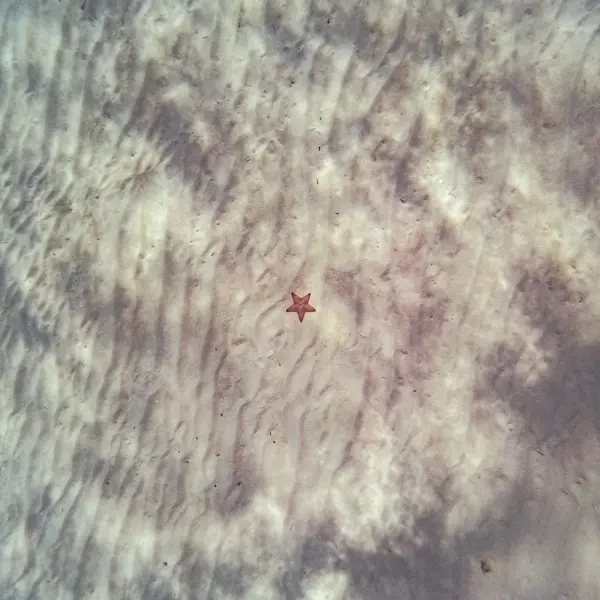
(301, 306)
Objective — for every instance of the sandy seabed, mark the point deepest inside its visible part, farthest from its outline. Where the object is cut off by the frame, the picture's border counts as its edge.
(171, 171)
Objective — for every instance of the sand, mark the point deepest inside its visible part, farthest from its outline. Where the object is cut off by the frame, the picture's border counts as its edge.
(171, 171)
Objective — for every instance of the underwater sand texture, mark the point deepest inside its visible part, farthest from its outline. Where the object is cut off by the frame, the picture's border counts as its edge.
(171, 171)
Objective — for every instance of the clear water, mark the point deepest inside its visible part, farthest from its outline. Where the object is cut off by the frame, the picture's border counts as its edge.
(171, 172)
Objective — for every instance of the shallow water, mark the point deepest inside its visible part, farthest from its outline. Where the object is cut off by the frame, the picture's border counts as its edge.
(170, 172)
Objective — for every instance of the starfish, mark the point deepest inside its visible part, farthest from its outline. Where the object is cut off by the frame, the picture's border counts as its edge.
(301, 306)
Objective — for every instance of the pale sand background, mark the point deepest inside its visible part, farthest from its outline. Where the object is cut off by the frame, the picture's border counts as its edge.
(171, 171)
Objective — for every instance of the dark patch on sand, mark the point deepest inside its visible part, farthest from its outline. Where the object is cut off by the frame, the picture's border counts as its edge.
(559, 394)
